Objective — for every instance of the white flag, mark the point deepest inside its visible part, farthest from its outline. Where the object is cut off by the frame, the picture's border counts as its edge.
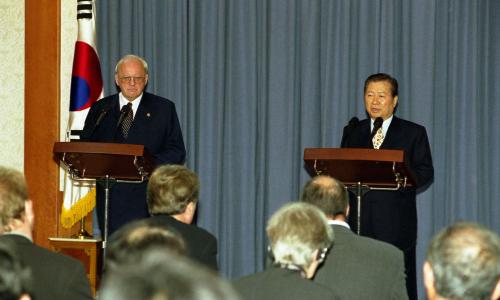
(86, 88)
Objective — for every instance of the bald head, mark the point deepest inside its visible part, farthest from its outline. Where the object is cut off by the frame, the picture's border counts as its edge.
(328, 194)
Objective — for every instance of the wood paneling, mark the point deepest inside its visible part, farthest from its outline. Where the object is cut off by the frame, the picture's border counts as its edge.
(42, 113)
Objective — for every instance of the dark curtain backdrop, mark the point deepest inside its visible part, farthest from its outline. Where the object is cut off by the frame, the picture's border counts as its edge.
(255, 82)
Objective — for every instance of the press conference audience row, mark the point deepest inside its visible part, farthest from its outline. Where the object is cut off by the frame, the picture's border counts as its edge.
(314, 253)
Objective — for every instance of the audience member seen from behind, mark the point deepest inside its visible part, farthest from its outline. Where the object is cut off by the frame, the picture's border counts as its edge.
(463, 263)
(15, 277)
(357, 267)
(55, 276)
(299, 237)
(160, 275)
(172, 196)
(128, 244)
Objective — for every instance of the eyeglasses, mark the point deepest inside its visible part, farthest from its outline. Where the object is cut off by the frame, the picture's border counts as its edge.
(129, 79)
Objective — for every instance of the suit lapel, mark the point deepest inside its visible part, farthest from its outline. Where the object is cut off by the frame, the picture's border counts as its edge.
(141, 119)
(114, 135)
(393, 135)
(115, 111)
(365, 140)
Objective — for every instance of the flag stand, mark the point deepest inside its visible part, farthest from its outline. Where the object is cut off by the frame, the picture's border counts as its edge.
(82, 233)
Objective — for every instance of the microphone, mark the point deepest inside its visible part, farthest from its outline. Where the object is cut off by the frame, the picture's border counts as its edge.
(101, 116)
(376, 126)
(103, 113)
(353, 123)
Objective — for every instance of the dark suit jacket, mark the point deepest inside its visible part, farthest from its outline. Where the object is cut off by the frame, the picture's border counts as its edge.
(55, 276)
(202, 245)
(155, 126)
(386, 215)
(363, 268)
(277, 283)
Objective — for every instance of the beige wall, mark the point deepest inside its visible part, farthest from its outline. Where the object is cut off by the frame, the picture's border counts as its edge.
(12, 84)
(12, 76)
(69, 32)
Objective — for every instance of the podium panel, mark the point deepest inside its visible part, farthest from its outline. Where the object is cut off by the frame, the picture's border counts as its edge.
(371, 167)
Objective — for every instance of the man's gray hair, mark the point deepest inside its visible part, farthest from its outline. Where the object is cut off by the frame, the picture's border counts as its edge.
(465, 261)
(295, 231)
(129, 57)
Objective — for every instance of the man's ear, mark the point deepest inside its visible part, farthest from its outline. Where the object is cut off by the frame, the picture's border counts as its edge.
(189, 212)
(395, 102)
(316, 255)
(191, 207)
(311, 269)
(29, 213)
(496, 292)
(429, 281)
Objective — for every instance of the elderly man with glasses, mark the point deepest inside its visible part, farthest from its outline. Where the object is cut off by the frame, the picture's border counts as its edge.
(133, 116)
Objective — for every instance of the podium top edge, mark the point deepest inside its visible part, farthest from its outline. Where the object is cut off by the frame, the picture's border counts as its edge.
(60, 239)
(354, 154)
(99, 148)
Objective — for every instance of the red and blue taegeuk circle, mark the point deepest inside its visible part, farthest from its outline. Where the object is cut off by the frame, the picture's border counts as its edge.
(86, 80)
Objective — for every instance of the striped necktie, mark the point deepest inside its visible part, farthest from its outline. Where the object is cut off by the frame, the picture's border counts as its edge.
(127, 121)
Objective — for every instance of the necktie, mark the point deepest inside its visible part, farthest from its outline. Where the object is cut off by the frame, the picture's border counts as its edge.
(127, 120)
(378, 138)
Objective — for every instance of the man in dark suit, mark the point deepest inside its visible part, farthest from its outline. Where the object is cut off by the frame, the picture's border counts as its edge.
(172, 197)
(133, 117)
(391, 216)
(55, 276)
(357, 267)
(15, 277)
(299, 237)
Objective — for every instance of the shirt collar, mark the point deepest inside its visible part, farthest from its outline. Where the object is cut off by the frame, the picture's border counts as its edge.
(385, 125)
(135, 102)
(18, 234)
(337, 222)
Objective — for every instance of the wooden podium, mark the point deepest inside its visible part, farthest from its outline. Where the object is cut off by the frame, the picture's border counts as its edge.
(88, 160)
(361, 170)
(104, 161)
